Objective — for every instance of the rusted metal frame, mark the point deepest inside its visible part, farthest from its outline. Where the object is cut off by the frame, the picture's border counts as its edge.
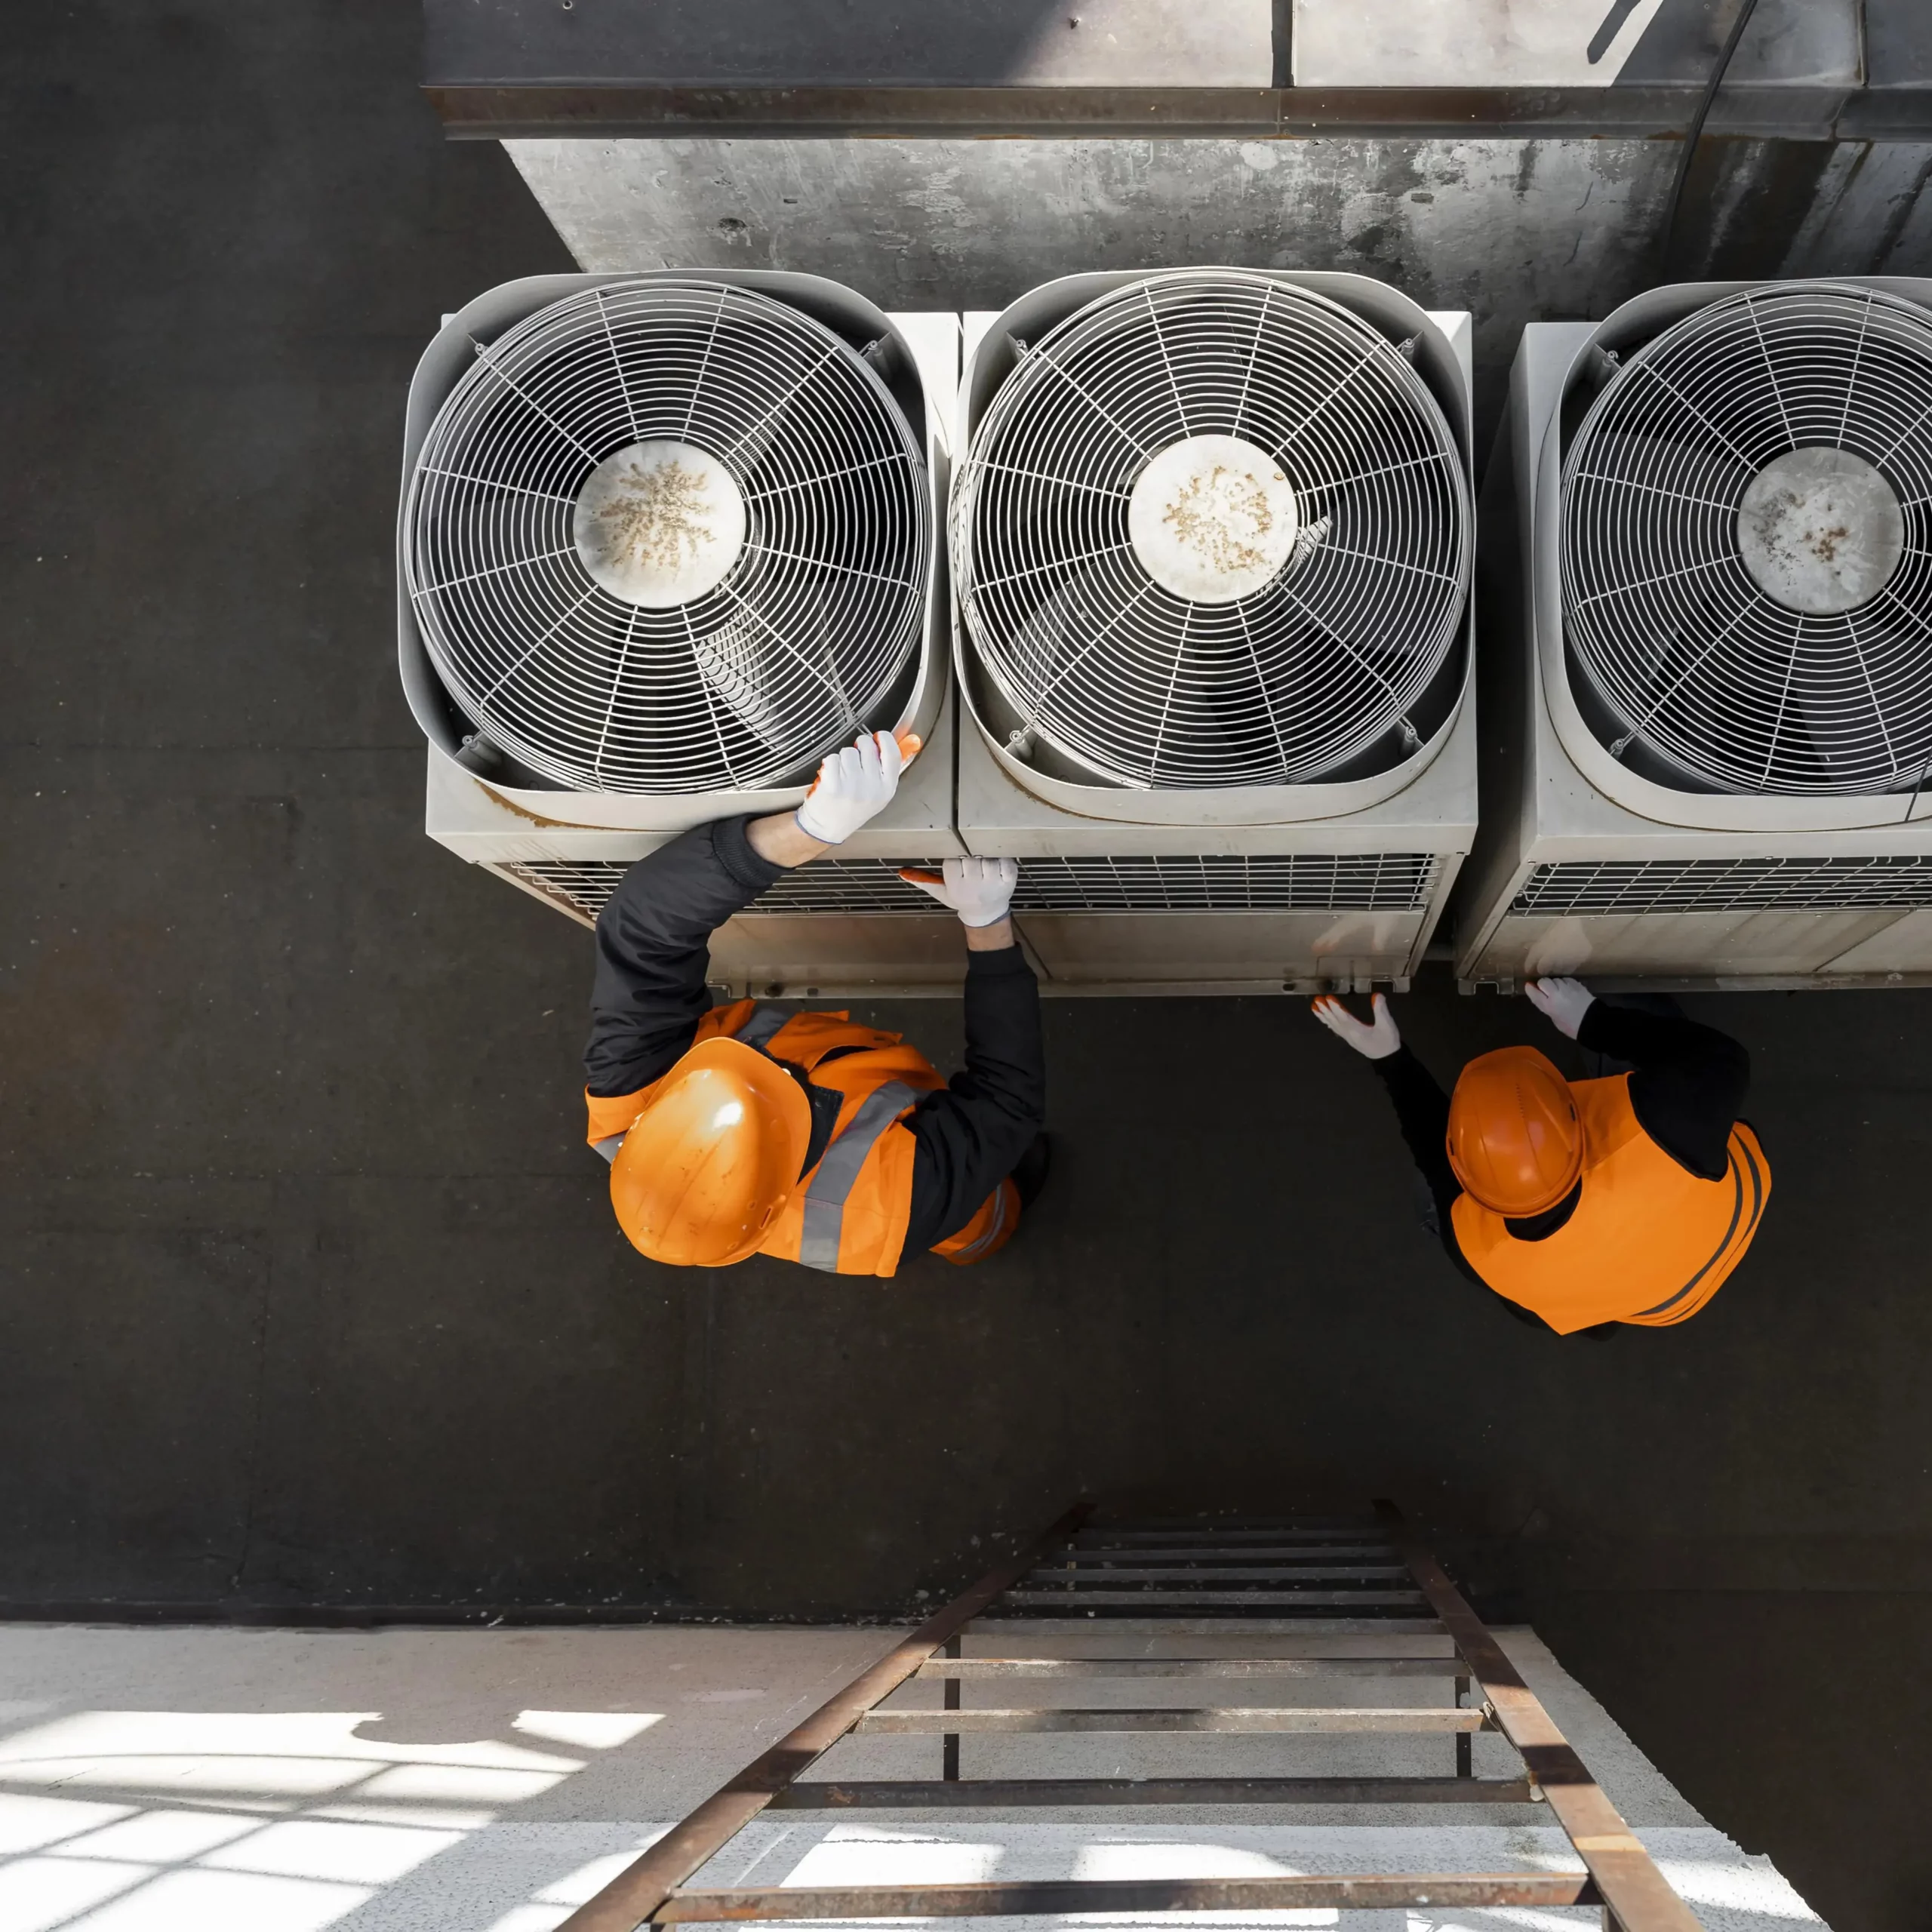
(1276, 1552)
(637, 1892)
(1116, 1622)
(1049, 1669)
(1260, 1546)
(1076, 1577)
(1282, 1636)
(902, 1795)
(1468, 1889)
(949, 1697)
(1240, 1526)
(510, 110)
(1628, 1882)
(1152, 1594)
(1431, 1720)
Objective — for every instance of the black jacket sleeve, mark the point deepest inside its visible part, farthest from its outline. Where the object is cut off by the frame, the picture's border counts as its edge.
(653, 949)
(1689, 1082)
(1422, 1113)
(652, 952)
(972, 1133)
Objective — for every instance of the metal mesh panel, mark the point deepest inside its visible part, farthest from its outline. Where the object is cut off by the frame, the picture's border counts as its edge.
(1727, 885)
(1313, 882)
(585, 884)
(845, 885)
(1317, 882)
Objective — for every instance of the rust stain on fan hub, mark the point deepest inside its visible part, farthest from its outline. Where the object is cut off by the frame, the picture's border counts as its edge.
(1820, 531)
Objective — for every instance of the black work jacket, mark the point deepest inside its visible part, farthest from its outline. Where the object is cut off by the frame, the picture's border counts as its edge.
(652, 957)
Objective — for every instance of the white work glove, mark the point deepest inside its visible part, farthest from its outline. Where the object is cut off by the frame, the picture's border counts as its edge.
(1562, 1002)
(853, 785)
(1373, 1039)
(978, 890)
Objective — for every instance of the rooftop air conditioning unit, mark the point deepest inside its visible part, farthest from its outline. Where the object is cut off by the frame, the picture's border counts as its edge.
(1710, 728)
(666, 540)
(1211, 546)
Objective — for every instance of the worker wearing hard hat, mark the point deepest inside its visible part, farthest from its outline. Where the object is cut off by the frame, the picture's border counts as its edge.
(742, 1130)
(1628, 1199)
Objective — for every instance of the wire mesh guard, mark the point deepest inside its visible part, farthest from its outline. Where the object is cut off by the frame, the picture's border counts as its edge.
(1746, 582)
(1581, 886)
(1213, 530)
(1297, 882)
(668, 536)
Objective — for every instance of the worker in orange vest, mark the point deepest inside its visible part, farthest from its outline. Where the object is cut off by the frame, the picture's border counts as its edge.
(1628, 1198)
(743, 1130)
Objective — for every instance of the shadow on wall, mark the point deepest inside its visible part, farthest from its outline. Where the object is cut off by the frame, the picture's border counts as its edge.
(874, 43)
(1516, 231)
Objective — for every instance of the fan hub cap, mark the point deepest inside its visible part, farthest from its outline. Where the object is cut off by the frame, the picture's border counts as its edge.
(1212, 519)
(659, 524)
(1820, 531)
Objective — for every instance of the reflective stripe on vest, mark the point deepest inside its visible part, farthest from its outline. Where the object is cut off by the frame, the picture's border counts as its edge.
(1746, 1209)
(832, 1180)
(993, 1233)
(1003, 1202)
(1648, 1242)
(759, 1029)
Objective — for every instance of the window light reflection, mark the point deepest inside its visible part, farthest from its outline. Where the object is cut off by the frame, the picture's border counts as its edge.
(253, 1819)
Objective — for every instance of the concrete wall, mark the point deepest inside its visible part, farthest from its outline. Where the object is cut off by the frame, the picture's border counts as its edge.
(1517, 231)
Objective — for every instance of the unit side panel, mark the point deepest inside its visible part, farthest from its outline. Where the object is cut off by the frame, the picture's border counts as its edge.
(1730, 945)
(1432, 922)
(1095, 948)
(852, 954)
(1513, 729)
(1903, 946)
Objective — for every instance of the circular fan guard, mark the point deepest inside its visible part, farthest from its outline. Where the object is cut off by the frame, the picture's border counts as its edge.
(745, 685)
(1283, 685)
(1709, 662)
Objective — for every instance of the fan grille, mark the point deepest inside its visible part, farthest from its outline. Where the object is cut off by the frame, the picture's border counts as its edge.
(1666, 613)
(746, 684)
(1580, 886)
(1278, 686)
(1297, 882)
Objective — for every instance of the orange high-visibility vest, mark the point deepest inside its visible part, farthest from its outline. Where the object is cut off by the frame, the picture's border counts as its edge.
(848, 1214)
(1649, 1242)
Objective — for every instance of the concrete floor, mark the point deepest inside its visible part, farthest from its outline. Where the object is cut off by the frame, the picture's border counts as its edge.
(487, 1781)
(310, 1293)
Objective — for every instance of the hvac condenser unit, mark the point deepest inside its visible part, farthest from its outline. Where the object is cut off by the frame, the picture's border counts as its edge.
(1211, 540)
(666, 540)
(1708, 739)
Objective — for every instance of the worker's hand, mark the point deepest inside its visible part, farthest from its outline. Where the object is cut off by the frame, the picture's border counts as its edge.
(978, 890)
(1373, 1039)
(853, 785)
(1562, 1002)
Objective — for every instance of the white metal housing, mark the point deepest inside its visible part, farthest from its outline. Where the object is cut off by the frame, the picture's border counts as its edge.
(1585, 866)
(842, 926)
(1235, 889)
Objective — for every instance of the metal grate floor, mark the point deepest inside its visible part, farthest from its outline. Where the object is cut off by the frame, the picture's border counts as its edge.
(1318, 882)
(1727, 885)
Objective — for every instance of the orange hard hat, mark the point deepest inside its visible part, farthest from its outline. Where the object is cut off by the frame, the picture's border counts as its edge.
(713, 1159)
(1514, 1140)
